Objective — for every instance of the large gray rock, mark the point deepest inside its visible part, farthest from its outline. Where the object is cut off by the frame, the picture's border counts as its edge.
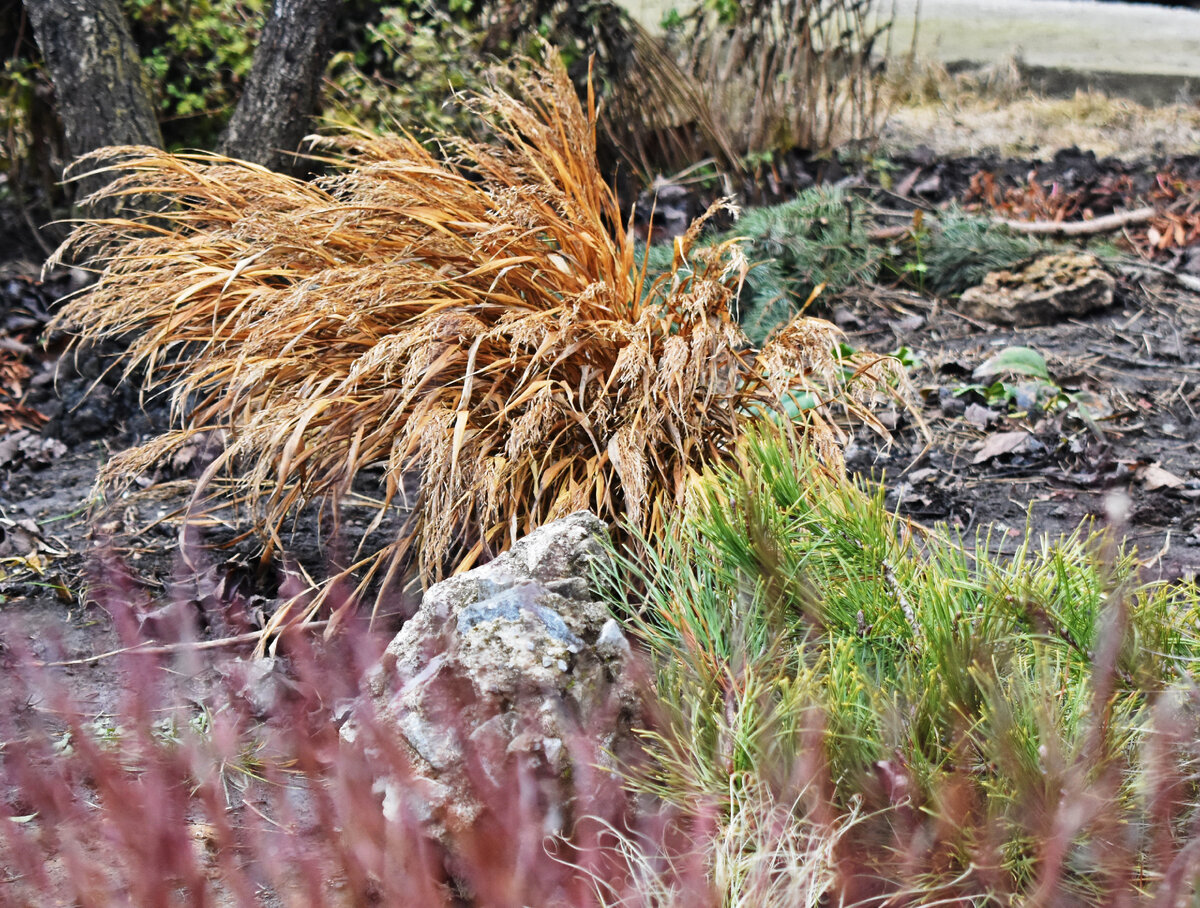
(500, 676)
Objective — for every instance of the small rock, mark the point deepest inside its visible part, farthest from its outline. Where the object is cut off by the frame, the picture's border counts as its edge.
(257, 681)
(611, 644)
(907, 325)
(890, 419)
(665, 210)
(846, 319)
(929, 186)
(1026, 396)
(923, 155)
(858, 457)
(951, 404)
(953, 407)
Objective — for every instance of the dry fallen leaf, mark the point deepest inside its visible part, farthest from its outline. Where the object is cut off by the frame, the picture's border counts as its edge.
(1153, 476)
(980, 417)
(1003, 443)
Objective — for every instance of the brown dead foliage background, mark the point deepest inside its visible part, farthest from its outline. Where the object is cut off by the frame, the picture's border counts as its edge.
(479, 319)
(1174, 195)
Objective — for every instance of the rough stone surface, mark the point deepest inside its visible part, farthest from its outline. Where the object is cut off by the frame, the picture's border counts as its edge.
(512, 669)
(1047, 290)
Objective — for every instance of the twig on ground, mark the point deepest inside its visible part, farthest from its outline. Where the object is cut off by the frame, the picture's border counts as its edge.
(1186, 281)
(166, 649)
(1105, 224)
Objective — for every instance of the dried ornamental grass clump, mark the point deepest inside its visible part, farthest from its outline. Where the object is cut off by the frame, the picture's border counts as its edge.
(480, 319)
(784, 74)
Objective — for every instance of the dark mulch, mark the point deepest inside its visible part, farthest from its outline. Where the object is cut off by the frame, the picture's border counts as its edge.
(1141, 358)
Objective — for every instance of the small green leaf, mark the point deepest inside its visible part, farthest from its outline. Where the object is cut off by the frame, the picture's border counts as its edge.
(1015, 361)
(999, 392)
(907, 357)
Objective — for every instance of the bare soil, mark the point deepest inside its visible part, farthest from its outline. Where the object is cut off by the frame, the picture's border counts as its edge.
(1142, 357)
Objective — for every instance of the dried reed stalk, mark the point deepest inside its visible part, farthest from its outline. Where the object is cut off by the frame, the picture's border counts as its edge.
(658, 117)
(789, 74)
(480, 320)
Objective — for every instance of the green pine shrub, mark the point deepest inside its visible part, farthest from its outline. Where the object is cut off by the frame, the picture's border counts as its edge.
(963, 249)
(817, 240)
(959, 701)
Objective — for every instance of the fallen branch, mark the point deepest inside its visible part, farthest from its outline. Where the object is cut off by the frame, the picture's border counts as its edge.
(150, 648)
(1187, 281)
(1105, 224)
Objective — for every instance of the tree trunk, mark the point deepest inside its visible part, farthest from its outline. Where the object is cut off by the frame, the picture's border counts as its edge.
(97, 76)
(282, 90)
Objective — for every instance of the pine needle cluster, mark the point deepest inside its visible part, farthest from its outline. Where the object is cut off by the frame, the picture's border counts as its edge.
(815, 243)
(965, 249)
(479, 319)
(953, 708)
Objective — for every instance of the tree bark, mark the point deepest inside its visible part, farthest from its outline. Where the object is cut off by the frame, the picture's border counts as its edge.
(283, 88)
(97, 76)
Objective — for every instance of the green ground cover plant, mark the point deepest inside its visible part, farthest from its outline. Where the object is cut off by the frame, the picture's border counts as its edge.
(404, 71)
(978, 723)
(1018, 379)
(196, 61)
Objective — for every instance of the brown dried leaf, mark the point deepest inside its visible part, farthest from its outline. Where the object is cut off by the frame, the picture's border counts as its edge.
(1153, 476)
(1003, 443)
